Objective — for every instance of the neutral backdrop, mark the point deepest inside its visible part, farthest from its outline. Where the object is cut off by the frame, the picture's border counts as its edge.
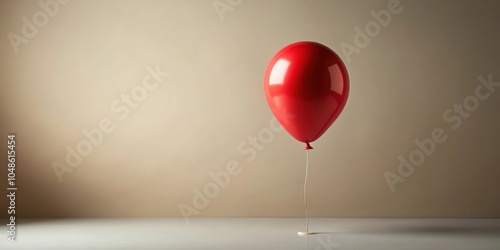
(205, 113)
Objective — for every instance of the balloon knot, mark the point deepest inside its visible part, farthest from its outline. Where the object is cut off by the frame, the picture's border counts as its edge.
(308, 146)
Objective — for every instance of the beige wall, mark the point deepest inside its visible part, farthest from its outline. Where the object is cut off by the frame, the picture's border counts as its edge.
(70, 73)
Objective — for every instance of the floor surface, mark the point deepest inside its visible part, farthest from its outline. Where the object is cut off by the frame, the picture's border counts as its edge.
(254, 234)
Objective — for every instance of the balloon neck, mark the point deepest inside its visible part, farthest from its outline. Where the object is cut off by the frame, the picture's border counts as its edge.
(308, 146)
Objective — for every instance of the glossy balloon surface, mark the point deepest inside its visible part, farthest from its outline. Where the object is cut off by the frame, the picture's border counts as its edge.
(306, 86)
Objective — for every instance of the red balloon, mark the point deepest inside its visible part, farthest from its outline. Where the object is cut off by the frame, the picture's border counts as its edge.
(306, 86)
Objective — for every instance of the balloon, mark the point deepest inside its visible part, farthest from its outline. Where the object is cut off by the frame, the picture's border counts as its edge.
(306, 86)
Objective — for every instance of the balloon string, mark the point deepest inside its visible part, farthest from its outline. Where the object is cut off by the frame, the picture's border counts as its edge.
(305, 191)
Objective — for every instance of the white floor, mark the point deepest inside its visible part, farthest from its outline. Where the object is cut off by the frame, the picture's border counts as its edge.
(254, 234)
